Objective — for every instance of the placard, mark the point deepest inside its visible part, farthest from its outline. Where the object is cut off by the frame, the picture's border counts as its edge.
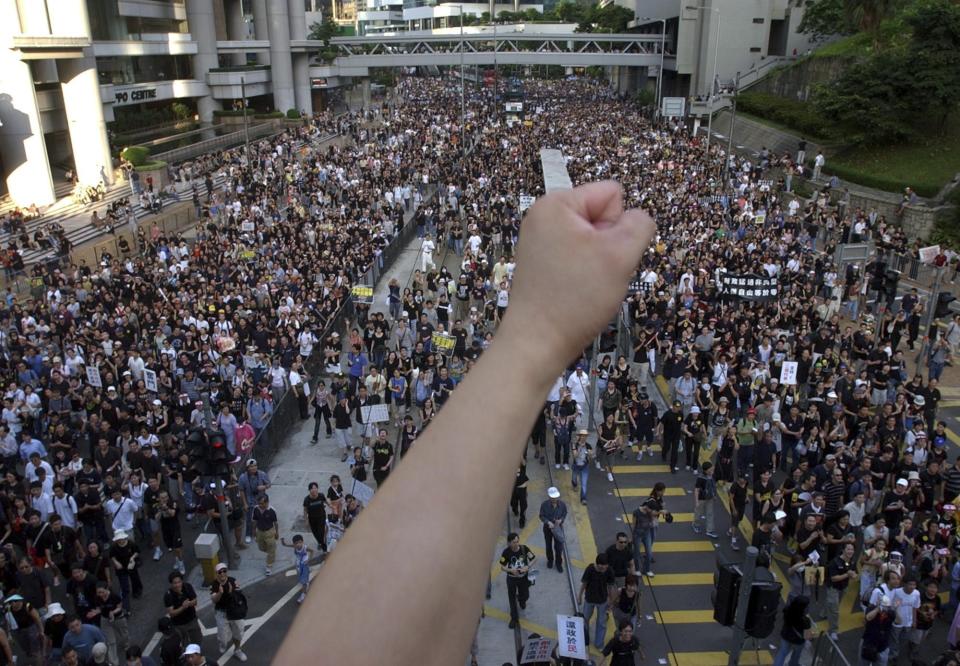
(536, 650)
(362, 492)
(150, 380)
(749, 287)
(570, 637)
(362, 292)
(93, 376)
(928, 254)
(526, 201)
(788, 373)
(442, 342)
(248, 226)
(375, 413)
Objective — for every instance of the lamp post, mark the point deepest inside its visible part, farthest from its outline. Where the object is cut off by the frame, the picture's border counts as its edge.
(463, 94)
(663, 49)
(246, 126)
(716, 55)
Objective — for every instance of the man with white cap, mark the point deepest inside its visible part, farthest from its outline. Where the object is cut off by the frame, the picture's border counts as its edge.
(54, 629)
(223, 593)
(553, 512)
(193, 656)
(894, 505)
(125, 558)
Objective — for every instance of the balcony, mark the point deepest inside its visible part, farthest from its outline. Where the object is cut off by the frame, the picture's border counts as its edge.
(149, 44)
(231, 76)
(153, 9)
(40, 47)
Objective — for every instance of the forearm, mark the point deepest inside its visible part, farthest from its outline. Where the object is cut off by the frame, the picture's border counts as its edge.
(473, 480)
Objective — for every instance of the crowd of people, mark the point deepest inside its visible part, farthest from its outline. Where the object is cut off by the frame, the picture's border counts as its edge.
(844, 464)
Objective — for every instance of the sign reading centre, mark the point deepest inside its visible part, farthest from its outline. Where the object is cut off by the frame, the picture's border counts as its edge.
(135, 95)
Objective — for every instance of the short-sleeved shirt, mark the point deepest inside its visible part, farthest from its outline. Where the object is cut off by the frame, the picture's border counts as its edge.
(837, 567)
(316, 508)
(265, 519)
(511, 559)
(597, 584)
(174, 600)
(620, 559)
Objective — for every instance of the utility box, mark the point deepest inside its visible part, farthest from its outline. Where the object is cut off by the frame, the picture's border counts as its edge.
(206, 548)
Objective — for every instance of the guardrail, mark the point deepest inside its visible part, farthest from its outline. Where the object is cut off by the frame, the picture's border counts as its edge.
(219, 143)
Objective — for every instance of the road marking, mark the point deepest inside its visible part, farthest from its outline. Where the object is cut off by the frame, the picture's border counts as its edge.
(953, 437)
(684, 616)
(641, 469)
(645, 492)
(540, 552)
(683, 547)
(662, 579)
(747, 658)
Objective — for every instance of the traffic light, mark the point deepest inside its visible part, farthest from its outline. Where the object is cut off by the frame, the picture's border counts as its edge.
(218, 455)
(944, 299)
(196, 445)
(726, 593)
(762, 611)
(891, 280)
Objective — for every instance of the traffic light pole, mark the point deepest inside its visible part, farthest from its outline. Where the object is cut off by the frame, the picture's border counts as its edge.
(220, 492)
(743, 601)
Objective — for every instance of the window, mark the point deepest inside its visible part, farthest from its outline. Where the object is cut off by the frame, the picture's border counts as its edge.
(759, 20)
(755, 49)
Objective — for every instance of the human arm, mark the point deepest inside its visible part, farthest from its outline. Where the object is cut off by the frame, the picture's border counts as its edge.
(534, 344)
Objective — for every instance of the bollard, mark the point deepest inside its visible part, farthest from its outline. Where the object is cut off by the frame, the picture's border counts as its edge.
(206, 548)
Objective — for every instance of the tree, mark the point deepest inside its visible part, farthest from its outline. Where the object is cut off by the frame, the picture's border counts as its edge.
(570, 12)
(899, 92)
(612, 18)
(324, 32)
(824, 18)
(867, 15)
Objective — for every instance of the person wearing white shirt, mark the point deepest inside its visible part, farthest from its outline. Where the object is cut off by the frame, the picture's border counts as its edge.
(136, 365)
(579, 385)
(31, 469)
(906, 601)
(426, 251)
(40, 501)
(65, 507)
(122, 511)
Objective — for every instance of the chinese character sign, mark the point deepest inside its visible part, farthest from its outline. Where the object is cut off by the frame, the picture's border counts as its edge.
(570, 637)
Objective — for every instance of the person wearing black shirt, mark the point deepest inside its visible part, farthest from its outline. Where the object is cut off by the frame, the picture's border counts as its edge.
(90, 511)
(623, 647)
(875, 643)
(620, 557)
(113, 622)
(515, 563)
(222, 591)
(795, 631)
(180, 601)
(125, 558)
(596, 592)
(840, 571)
(315, 514)
(738, 506)
(82, 590)
(382, 458)
(518, 499)
(171, 645)
(672, 424)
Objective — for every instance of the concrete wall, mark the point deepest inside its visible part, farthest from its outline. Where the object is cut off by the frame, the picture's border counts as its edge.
(798, 81)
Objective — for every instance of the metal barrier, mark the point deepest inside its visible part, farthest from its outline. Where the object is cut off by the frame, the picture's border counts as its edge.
(825, 651)
(219, 143)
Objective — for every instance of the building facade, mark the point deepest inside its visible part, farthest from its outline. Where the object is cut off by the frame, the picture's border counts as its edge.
(69, 67)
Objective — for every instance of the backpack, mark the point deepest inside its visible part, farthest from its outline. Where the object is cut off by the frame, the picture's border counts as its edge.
(237, 610)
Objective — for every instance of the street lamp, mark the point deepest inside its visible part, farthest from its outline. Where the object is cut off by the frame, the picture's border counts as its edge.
(463, 94)
(716, 55)
(663, 48)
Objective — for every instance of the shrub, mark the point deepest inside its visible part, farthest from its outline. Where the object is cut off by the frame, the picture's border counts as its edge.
(293, 114)
(152, 166)
(136, 155)
(880, 181)
(797, 115)
(268, 116)
(230, 113)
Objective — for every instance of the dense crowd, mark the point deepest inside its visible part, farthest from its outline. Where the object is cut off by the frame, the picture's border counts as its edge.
(843, 466)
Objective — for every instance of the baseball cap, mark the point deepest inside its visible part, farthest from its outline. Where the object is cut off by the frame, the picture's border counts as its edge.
(111, 388)
(119, 534)
(221, 567)
(193, 648)
(99, 653)
(251, 461)
(779, 515)
(902, 482)
(583, 431)
(13, 597)
(553, 493)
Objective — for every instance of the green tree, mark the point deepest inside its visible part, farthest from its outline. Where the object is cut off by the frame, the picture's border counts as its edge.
(867, 15)
(324, 32)
(612, 18)
(824, 18)
(570, 12)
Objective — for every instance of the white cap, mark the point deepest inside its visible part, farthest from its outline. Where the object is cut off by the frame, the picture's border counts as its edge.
(832, 394)
(221, 567)
(553, 493)
(119, 534)
(694, 410)
(779, 515)
(55, 609)
(903, 482)
(99, 653)
(193, 648)
(111, 388)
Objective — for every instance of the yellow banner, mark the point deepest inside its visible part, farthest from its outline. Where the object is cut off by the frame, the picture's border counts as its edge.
(443, 342)
(362, 291)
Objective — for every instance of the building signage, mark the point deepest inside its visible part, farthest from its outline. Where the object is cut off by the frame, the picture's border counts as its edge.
(514, 107)
(135, 95)
(318, 82)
